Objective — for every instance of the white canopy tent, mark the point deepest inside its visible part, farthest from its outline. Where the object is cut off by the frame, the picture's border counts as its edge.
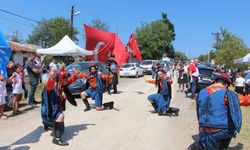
(65, 47)
(245, 59)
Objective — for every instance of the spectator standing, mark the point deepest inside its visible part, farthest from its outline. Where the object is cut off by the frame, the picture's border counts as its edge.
(233, 75)
(218, 68)
(153, 70)
(17, 88)
(3, 93)
(247, 85)
(38, 62)
(194, 74)
(186, 74)
(34, 74)
(9, 96)
(182, 79)
(53, 65)
(177, 68)
(114, 69)
(240, 83)
(24, 86)
(60, 65)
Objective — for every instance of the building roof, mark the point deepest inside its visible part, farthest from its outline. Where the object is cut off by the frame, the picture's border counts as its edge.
(18, 47)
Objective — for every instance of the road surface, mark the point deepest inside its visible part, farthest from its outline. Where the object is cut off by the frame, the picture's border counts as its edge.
(130, 126)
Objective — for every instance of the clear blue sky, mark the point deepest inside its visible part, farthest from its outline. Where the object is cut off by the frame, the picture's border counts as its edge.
(194, 20)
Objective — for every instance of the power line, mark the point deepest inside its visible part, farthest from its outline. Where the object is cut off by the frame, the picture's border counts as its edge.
(19, 16)
(14, 21)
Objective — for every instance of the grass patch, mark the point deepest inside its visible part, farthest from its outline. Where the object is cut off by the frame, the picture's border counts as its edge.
(245, 130)
(39, 92)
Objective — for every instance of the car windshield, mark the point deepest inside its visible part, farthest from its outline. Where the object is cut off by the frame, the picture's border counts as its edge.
(81, 67)
(206, 72)
(127, 65)
(84, 67)
(146, 63)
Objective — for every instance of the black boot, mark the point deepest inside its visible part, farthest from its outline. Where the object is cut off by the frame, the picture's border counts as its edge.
(108, 105)
(86, 102)
(62, 127)
(154, 105)
(57, 131)
(47, 126)
(167, 112)
(115, 88)
(109, 89)
(176, 111)
(170, 111)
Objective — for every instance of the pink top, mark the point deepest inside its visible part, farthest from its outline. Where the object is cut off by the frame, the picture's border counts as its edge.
(22, 75)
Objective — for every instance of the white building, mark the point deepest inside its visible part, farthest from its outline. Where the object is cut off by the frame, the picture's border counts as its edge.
(21, 51)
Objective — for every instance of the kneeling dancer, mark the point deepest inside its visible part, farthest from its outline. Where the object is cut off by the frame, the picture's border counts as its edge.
(161, 100)
(53, 103)
(219, 115)
(95, 89)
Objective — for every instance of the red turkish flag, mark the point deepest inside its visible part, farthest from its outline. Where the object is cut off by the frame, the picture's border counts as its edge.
(99, 41)
(120, 52)
(134, 47)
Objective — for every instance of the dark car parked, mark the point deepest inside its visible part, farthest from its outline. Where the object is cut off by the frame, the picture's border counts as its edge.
(80, 85)
(206, 74)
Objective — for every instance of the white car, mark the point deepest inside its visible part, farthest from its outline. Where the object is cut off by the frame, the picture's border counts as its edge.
(131, 70)
(147, 65)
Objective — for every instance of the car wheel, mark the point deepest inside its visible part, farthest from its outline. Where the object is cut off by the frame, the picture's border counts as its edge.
(136, 76)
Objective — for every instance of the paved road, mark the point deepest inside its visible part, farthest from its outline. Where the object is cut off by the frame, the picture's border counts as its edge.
(130, 126)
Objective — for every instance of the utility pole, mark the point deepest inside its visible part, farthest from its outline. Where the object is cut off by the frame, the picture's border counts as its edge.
(208, 57)
(71, 30)
(217, 39)
(73, 13)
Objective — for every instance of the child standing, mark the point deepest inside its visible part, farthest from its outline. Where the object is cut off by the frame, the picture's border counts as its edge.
(17, 87)
(3, 93)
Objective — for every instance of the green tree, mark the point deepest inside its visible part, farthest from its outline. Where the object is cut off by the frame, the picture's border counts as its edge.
(155, 39)
(204, 58)
(48, 32)
(97, 23)
(230, 47)
(180, 56)
(15, 37)
(169, 24)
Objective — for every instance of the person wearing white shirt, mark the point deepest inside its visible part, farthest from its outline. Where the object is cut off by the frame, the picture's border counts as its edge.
(53, 65)
(240, 83)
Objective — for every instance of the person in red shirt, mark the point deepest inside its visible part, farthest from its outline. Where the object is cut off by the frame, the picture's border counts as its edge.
(193, 75)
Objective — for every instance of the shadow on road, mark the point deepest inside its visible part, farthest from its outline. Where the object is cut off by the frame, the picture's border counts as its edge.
(32, 137)
(71, 131)
(35, 136)
(27, 109)
(237, 147)
(139, 92)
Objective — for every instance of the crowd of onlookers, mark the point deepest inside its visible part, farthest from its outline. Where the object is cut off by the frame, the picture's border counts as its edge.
(186, 73)
(15, 87)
